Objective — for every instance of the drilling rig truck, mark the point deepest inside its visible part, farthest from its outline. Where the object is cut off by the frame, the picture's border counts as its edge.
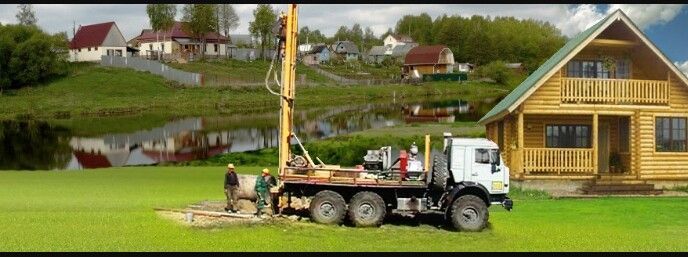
(465, 178)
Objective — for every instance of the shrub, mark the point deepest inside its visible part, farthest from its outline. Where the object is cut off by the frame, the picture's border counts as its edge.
(29, 55)
(496, 70)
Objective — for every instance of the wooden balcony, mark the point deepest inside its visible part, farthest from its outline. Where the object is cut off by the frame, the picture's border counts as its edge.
(614, 91)
(551, 160)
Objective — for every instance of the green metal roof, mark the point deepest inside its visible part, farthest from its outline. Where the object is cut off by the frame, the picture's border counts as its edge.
(529, 82)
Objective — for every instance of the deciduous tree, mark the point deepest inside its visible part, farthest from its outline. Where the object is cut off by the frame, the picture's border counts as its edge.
(264, 18)
(199, 20)
(26, 15)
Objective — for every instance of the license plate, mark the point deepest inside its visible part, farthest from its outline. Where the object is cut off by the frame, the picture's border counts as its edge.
(497, 185)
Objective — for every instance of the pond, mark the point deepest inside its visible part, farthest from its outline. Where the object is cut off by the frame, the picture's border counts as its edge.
(40, 145)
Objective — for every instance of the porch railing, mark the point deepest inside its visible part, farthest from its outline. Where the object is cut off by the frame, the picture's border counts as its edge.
(558, 160)
(614, 91)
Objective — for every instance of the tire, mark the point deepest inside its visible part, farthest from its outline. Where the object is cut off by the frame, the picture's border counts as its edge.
(327, 207)
(440, 173)
(367, 209)
(469, 213)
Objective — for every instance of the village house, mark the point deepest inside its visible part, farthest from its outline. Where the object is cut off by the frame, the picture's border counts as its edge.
(465, 67)
(376, 54)
(432, 59)
(177, 43)
(399, 52)
(394, 40)
(317, 54)
(395, 47)
(93, 41)
(607, 105)
(347, 49)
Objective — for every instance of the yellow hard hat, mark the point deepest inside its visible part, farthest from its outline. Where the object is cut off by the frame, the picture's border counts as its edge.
(230, 166)
(266, 171)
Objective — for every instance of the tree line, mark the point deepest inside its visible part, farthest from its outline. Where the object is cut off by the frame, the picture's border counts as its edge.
(476, 39)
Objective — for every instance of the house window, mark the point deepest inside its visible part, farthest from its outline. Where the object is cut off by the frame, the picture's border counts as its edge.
(670, 134)
(89, 49)
(215, 47)
(96, 49)
(79, 50)
(597, 69)
(623, 69)
(567, 136)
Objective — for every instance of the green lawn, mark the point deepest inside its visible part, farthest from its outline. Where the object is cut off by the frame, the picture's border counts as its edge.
(435, 130)
(111, 210)
(102, 91)
(246, 72)
(359, 70)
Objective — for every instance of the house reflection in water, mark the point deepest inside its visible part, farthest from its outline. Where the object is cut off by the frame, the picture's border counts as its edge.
(420, 113)
(200, 138)
(182, 140)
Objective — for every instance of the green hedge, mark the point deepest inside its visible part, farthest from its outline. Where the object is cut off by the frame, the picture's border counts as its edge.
(446, 77)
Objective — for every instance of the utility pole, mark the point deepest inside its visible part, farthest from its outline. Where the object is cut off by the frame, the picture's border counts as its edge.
(73, 28)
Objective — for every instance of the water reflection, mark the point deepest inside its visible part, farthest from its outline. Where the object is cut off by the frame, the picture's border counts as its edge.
(38, 145)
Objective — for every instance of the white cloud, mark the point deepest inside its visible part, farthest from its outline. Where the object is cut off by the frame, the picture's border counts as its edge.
(682, 66)
(646, 15)
(579, 18)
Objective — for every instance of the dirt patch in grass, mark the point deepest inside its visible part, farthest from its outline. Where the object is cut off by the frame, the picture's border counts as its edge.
(211, 214)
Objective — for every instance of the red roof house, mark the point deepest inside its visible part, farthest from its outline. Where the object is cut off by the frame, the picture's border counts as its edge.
(178, 41)
(429, 60)
(91, 160)
(90, 42)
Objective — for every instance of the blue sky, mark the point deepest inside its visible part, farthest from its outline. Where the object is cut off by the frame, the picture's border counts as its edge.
(664, 24)
(672, 37)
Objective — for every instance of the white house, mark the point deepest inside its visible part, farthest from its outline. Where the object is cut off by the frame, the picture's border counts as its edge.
(93, 41)
(393, 40)
(465, 67)
(178, 43)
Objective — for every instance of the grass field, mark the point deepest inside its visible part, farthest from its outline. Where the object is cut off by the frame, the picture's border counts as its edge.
(359, 70)
(111, 210)
(246, 72)
(101, 91)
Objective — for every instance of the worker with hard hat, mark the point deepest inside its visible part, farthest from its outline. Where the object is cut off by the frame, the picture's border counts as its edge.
(231, 189)
(262, 185)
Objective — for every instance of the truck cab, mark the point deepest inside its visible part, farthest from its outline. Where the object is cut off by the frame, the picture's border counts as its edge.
(479, 161)
(467, 178)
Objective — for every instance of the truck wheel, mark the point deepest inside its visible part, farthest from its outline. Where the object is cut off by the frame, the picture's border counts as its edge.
(440, 173)
(469, 213)
(367, 209)
(328, 207)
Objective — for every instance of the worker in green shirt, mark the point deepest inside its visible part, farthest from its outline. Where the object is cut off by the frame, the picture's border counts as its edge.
(262, 191)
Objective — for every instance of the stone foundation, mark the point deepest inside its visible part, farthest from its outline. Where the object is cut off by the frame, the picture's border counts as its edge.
(555, 187)
(668, 184)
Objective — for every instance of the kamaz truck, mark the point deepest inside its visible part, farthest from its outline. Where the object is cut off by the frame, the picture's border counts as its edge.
(466, 178)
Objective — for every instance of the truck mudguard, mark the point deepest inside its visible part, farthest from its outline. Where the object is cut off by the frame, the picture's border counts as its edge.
(468, 187)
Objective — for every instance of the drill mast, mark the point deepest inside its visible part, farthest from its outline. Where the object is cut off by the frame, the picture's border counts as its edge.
(288, 48)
